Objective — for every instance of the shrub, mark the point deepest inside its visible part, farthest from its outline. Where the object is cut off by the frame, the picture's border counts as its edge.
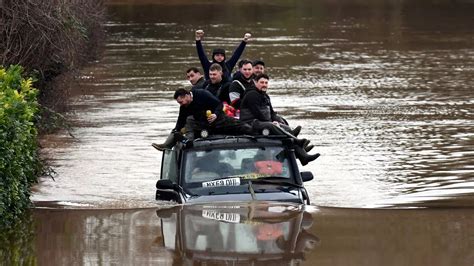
(50, 39)
(19, 161)
(49, 36)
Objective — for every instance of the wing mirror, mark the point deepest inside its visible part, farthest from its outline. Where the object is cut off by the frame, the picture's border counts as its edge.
(165, 184)
(306, 176)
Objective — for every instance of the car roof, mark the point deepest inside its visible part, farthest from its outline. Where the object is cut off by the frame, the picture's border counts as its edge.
(223, 141)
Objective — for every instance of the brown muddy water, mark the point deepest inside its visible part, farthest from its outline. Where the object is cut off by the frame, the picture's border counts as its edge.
(382, 88)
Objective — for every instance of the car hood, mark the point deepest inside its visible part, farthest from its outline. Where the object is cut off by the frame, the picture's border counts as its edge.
(274, 196)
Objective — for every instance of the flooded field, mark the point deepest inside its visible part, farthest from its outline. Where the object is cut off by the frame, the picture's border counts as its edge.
(385, 94)
(382, 88)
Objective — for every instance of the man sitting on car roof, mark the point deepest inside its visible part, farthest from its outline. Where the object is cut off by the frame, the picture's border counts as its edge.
(256, 109)
(199, 110)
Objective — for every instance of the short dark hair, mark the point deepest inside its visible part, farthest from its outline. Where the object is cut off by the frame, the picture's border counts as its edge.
(193, 69)
(215, 67)
(259, 76)
(258, 62)
(243, 62)
(180, 92)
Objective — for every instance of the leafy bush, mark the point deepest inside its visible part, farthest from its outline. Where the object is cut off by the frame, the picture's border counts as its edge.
(19, 161)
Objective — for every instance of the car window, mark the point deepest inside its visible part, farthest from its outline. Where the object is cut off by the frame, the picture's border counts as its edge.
(169, 166)
(246, 163)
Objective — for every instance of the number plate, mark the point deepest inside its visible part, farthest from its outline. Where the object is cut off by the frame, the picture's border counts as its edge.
(222, 182)
(221, 216)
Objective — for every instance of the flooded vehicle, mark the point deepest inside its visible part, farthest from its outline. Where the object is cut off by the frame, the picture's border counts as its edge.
(232, 168)
(247, 233)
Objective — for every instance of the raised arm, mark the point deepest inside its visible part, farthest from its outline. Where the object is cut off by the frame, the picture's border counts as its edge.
(238, 52)
(202, 54)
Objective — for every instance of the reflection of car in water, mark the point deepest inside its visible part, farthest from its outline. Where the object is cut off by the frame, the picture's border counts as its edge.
(247, 232)
(228, 168)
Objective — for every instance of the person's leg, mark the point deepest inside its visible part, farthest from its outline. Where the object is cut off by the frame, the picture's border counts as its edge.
(187, 132)
(300, 144)
(191, 127)
(231, 126)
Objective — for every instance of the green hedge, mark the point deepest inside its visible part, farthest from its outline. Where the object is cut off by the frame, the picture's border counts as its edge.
(19, 161)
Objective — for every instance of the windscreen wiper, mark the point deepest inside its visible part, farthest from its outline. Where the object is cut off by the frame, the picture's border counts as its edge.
(275, 180)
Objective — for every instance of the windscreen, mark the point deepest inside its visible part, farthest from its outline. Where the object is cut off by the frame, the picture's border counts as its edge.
(233, 167)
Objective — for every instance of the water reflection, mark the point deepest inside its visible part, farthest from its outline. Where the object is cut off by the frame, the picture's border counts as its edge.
(17, 242)
(228, 234)
(225, 234)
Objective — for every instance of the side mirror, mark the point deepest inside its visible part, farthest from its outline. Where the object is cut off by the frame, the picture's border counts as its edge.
(167, 190)
(306, 176)
(165, 184)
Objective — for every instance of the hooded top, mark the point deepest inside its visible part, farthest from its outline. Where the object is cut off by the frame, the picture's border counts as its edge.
(227, 66)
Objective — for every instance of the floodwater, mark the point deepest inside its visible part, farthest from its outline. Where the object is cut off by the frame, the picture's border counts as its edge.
(382, 88)
(254, 235)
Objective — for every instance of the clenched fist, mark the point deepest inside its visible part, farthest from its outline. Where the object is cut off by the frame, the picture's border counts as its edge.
(199, 34)
(247, 36)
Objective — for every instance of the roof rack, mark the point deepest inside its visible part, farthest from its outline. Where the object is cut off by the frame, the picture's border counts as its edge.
(254, 137)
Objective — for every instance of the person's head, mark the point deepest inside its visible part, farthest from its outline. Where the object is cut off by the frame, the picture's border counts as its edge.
(245, 67)
(193, 75)
(258, 67)
(218, 55)
(261, 82)
(183, 97)
(215, 73)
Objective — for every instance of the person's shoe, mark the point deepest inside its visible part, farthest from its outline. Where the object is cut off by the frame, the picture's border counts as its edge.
(301, 142)
(159, 147)
(308, 158)
(296, 131)
(308, 148)
(168, 144)
(303, 156)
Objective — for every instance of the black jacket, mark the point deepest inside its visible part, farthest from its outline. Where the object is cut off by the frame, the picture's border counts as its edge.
(202, 101)
(201, 83)
(256, 105)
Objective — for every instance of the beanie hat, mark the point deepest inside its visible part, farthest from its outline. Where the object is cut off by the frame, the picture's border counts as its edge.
(218, 51)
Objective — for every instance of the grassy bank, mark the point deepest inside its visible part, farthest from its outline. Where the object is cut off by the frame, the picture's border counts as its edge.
(42, 45)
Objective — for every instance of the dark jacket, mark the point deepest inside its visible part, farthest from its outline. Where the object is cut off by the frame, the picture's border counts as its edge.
(202, 101)
(218, 90)
(201, 83)
(227, 66)
(237, 89)
(256, 105)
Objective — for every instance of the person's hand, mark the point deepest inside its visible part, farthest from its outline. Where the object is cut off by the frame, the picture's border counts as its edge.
(199, 34)
(211, 118)
(247, 37)
(276, 123)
